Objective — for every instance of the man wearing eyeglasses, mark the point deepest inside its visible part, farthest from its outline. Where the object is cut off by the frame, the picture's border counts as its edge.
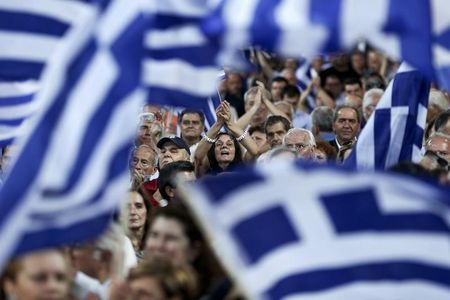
(143, 166)
(302, 141)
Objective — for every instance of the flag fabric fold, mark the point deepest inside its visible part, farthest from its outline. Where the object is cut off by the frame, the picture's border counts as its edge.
(72, 170)
(288, 231)
(395, 130)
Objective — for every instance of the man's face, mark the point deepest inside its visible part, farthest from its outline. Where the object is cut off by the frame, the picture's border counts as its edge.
(346, 126)
(234, 84)
(143, 161)
(149, 132)
(354, 89)
(259, 138)
(299, 142)
(170, 152)
(191, 126)
(276, 89)
(275, 134)
(333, 85)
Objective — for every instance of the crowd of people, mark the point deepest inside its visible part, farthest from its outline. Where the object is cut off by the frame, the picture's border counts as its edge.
(154, 249)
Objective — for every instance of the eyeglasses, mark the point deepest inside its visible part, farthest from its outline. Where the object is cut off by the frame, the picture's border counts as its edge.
(144, 163)
(297, 147)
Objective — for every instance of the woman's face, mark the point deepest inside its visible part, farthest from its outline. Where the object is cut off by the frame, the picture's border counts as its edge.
(224, 149)
(167, 238)
(137, 211)
(41, 276)
(320, 156)
(146, 288)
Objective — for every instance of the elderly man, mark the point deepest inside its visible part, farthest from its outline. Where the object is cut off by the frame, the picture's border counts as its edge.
(370, 101)
(346, 126)
(149, 130)
(173, 148)
(143, 165)
(192, 125)
(437, 104)
(302, 141)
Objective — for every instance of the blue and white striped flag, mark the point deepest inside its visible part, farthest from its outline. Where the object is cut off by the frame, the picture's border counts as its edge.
(286, 231)
(30, 32)
(395, 130)
(305, 74)
(179, 67)
(16, 106)
(417, 33)
(71, 172)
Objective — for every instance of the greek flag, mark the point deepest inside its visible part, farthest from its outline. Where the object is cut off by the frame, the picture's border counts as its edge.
(30, 32)
(71, 172)
(16, 105)
(395, 130)
(179, 67)
(305, 74)
(417, 33)
(288, 231)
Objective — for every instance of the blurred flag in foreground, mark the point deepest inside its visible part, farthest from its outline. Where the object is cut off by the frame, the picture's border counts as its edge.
(288, 231)
(71, 173)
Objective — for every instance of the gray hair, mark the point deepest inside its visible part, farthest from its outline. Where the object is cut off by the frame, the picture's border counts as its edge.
(322, 118)
(368, 96)
(147, 147)
(312, 140)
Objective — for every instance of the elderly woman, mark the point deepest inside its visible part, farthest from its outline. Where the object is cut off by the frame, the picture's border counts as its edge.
(40, 275)
(219, 152)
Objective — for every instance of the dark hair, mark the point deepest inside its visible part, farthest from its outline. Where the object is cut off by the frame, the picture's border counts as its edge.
(377, 82)
(336, 111)
(191, 111)
(413, 169)
(279, 79)
(290, 90)
(168, 172)
(214, 164)
(255, 128)
(143, 193)
(205, 263)
(272, 120)
(441, 120)
(353, 80)
(329, 150)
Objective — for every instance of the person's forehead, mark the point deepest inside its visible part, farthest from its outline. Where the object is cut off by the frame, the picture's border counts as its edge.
(224, 138)
(352, 86)
(297, 137)
(136, 198)
(346, 113)
(191, 116)
(275, 127)
(143, 152)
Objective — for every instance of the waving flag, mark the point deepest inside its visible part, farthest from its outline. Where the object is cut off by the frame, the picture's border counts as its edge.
(395, 130)
(15, 106)
(71, 172)
(179, 67)
(292, 232)
(30, 31)
(417, 33)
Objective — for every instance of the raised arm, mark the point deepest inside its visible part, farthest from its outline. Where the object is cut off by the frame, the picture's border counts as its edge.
(272, 109)
(201, 153)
